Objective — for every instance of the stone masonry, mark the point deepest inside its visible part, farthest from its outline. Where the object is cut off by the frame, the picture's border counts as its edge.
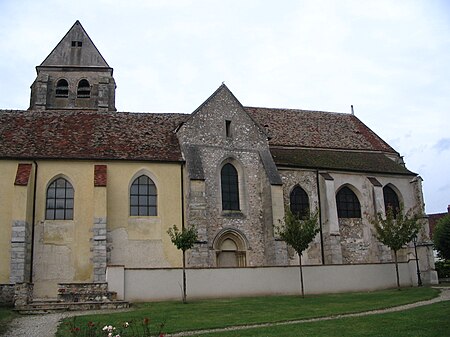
(99, 255)
(207, 146)
(7, 294)
(20, 252)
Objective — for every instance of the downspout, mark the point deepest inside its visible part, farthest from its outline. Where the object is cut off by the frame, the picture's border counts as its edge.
(182, 196)
(33, 219)
(320, 217)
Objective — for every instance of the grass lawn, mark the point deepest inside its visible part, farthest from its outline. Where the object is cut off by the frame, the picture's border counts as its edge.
(427, 321)
(219, 313)
(6, 316)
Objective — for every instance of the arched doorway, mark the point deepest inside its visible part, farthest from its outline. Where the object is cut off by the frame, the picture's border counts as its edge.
(231, 249)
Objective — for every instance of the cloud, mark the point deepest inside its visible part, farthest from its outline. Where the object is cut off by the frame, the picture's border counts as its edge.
(442, 145)
(389, 59)
(444, 188)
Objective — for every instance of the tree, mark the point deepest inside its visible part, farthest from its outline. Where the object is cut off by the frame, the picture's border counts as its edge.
(396, 230)
(183, 240)
(441, 237)
(298, 231)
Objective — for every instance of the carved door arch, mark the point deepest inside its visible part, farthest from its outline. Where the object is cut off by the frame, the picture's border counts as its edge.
(231, 249)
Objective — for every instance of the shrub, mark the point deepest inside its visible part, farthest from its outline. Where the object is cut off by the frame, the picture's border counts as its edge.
(443, 269)
(441, 237)
(127, 329)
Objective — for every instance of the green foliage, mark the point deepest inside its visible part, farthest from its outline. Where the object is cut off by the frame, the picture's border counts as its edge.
(127, 328)
(7, 314)
(184, 239)
(441, 237)
(298, 231)
(397, 228)
(443, 269)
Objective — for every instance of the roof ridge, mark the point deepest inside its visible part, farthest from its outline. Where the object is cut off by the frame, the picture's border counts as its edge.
(12, 110)
(296, 147)
(299, 110)
(77, 111)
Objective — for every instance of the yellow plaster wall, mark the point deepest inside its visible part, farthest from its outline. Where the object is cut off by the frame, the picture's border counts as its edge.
(100, 204)
(62, 248)
(62, 251)
(145, 238)
(8, 171)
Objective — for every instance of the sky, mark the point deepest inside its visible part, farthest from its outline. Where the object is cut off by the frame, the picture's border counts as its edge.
(389, 59)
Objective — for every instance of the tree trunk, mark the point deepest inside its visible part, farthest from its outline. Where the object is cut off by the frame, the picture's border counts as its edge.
(301, 275)
(184, 276)
(396, 269)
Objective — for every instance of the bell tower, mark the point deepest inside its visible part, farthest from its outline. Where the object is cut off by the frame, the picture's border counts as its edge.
(74, 76)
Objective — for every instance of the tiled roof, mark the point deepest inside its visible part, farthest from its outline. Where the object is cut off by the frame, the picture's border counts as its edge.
(317, 129)
(371, 162)
(434, 218)
(299, 138)
(89, 135)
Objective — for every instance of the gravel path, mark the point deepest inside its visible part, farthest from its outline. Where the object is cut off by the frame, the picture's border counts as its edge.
(46, 325)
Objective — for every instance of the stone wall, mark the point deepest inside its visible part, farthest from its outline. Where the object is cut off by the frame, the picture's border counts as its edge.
(307, 180)
(7, 294)
(355, 241)
(23, 294)
(20, 252)
(99, 249)
(85, 292)
(221, 132)
(102, 94)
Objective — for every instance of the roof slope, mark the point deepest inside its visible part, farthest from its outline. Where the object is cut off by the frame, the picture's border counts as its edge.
(64, 54)
(89, 135)
(307, 139)
(357, 161)
(317, 129)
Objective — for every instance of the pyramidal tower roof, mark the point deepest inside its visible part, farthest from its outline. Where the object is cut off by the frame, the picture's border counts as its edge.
(74, 76)
(76, 49)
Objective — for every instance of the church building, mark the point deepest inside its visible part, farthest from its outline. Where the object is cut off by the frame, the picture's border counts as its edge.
(83, 186)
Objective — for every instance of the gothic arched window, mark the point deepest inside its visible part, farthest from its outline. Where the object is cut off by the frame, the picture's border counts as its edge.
(299, 202)
(59, 200)
(230, 188)
(84, 89)
(62, 88)
(391, 200)
(348, 205)
(143, 197)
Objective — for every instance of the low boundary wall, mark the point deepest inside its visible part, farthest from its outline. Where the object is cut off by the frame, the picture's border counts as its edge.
(135, 284)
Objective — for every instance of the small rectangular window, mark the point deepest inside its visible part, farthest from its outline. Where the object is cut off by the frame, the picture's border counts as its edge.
(77, 43)
(228, 128)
